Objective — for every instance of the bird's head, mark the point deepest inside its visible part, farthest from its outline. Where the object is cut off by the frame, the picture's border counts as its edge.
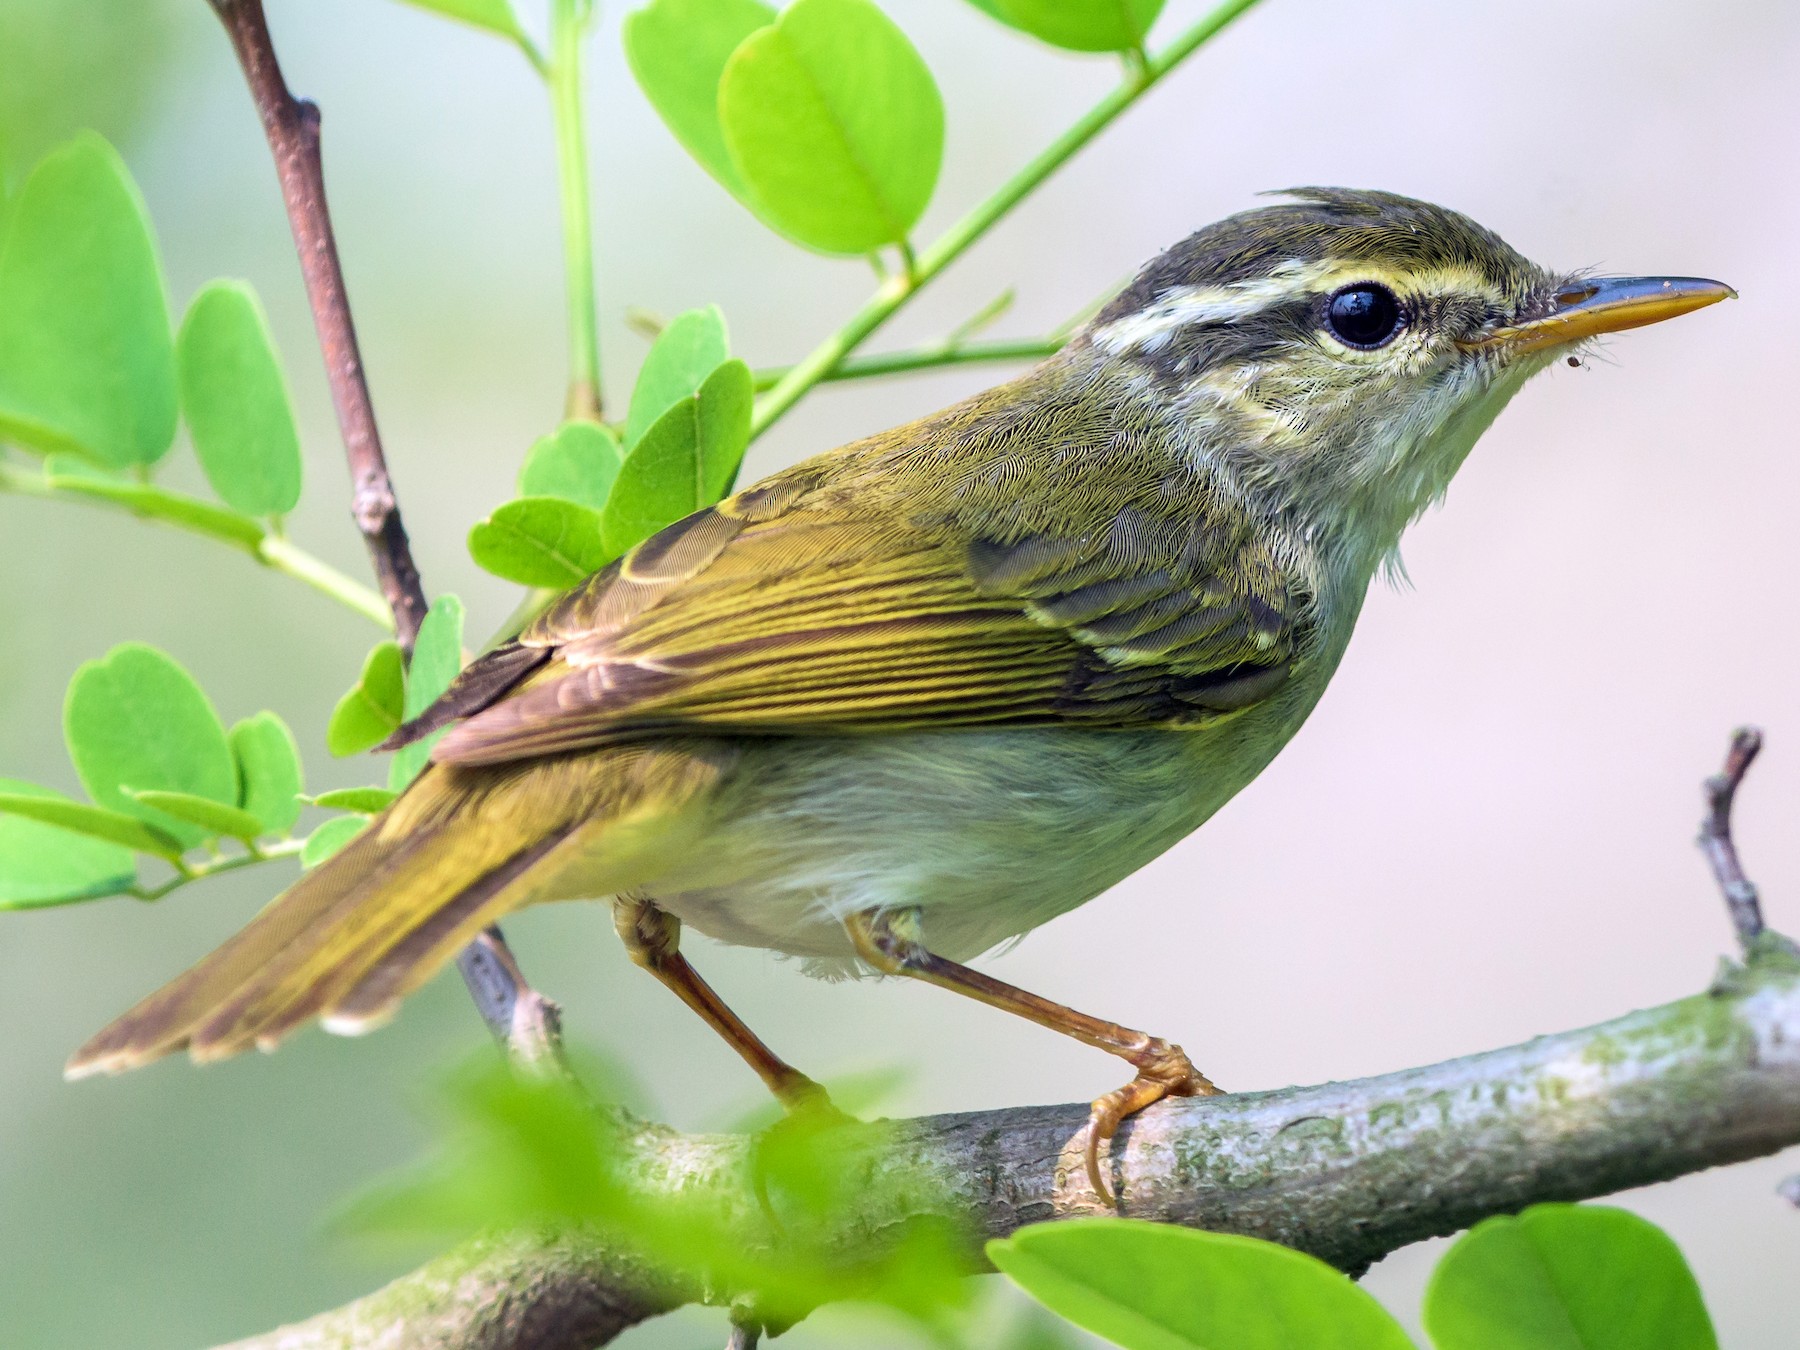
(1342, 351)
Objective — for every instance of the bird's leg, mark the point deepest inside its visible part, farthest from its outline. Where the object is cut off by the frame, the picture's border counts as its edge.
(652, 937)
(888, 940)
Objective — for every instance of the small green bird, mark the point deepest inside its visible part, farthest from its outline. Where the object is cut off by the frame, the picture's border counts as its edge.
(907, 700)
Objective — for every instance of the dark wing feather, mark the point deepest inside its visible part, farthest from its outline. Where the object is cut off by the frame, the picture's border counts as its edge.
(1090, 586)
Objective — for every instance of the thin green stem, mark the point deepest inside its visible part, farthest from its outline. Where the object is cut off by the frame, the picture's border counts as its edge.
(195, 515)
(928, 357)
(955, 241)
(192, 872)
(568, 27)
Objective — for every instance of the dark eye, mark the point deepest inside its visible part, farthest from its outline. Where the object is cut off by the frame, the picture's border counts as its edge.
(1364, 315)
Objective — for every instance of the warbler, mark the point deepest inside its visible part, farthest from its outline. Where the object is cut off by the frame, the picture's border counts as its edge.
(902, 702)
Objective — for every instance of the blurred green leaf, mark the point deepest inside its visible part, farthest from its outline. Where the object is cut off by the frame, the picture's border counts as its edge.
(497, 16)
(373, 708)
(1566, 1277)
(1152, 1286)
(214, 818)
(364, 801)
(150, 500)
(540, 541)
(835, 124)
(686, 461)
(437, 657)
(678, 50)
(577, 463)
(270, 779)
(1079, 25)
(94, 821)
(42, 864)
(236, 401)
(329, 838)
(690, 348)
(87, 362)
(135, 719)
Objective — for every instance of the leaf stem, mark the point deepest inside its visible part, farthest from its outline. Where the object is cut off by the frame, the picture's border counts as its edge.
(208, 520)
(192, 872)
(955, 241)
(927, 357)
(569, 24)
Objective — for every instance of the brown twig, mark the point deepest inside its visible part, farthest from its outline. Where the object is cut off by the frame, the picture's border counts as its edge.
(292, 127)
(1715, 837)
(524, 1020)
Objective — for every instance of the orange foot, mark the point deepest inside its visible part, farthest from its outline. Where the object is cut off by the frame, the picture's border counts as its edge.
(1164, 1070)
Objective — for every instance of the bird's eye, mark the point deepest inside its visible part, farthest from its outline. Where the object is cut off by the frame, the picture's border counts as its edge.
(1365, 315)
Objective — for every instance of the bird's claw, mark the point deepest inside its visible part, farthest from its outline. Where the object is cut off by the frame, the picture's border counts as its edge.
(1164, 1070)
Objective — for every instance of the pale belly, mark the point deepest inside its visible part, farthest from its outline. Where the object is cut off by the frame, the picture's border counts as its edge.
(989, 834)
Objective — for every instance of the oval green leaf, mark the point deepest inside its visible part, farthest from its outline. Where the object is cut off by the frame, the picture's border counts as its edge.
(364, 801)
(236, 401)
(1152, 1286)
(437, 657)
(677, 50)
(368, 714)
(497, 16)
(689, 349)
(215, 818)
(686, 461)
(835, 125)
(1566, 1277)
(96, 822)
(270, 779)
(329, 838)
(540, 541)
(578, 463)
(43, 864)
(136, 719)
(87, 362)
(1079, 25)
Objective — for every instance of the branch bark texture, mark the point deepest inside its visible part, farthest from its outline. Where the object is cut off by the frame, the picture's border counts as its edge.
(1347, 1171)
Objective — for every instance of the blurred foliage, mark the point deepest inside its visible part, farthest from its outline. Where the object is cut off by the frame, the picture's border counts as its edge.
(70, 64)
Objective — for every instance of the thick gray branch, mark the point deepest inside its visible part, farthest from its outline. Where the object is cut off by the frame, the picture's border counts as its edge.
(1347, 1171)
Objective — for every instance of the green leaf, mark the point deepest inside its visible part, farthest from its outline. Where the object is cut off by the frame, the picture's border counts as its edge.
(1079, 25)
(270, 779)
(43, 864)
(161, 504)
(692, 347)
(236, 401)
(368, 714)
(87, 362)
(364, 801)
(1566, 1277)
(540, 541)
(329, 838)
(677, 50)
(214, 818)
(437, 657)
(1152, 1286)
(686, 461)
(578, 463)
(496, 16)
(94, 821)
(135, 719)
(835, 125)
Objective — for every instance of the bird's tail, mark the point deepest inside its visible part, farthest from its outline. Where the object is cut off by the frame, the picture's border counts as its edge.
(365, 928)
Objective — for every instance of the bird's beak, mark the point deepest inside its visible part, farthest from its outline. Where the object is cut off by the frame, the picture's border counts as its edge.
(1585, 309)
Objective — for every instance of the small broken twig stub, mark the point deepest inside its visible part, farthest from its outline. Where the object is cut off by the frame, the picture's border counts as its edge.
(1716, 843)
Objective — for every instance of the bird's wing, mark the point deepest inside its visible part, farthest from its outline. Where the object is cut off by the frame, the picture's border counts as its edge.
(1092, 594)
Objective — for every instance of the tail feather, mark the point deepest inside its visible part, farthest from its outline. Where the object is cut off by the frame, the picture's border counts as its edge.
(462, 847)
(443, 868)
